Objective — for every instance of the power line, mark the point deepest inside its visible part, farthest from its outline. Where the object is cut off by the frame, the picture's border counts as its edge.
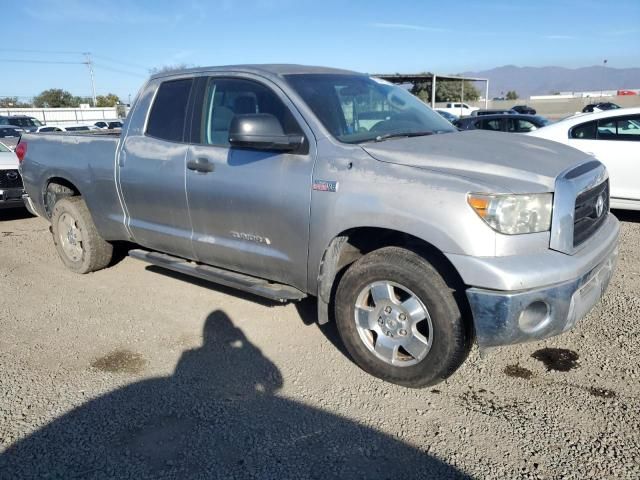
(117, 70)
(56, 62)
(128, 64)
(57, 52)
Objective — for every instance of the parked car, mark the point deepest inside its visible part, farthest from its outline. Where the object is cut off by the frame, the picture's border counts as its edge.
(478, 113)
(9, 131)
(503, 123)
(419, 238)
(447, 116)
(10, 181)
(458, 108)
(27, 124)
(613, 137)
(600, 107)
(524, 109)
(108, 124)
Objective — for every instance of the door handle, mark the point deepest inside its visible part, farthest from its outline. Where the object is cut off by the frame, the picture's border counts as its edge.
(201, 164)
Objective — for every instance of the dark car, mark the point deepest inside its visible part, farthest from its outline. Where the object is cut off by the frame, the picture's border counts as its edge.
(447, 116)
(599, 107)
(28, 124)
(9, 131)
(109, 125)
(524, 109)
(503, 123)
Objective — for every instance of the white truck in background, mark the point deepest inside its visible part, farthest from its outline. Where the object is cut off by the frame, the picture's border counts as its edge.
(458, 108)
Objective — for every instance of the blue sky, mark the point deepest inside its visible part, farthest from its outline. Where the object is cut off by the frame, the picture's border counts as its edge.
(127, 38)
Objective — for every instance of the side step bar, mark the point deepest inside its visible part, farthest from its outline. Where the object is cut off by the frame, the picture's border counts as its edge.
(246, 283)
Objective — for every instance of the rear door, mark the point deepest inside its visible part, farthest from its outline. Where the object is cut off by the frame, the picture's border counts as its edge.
(152, 169)
(249, 208)
(616, 142)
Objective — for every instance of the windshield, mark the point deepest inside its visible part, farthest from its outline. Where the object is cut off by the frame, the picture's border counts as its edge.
(25, 122)
(4, 148)
(356, 108)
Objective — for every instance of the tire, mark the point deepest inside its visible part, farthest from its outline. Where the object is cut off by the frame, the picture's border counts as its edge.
(388, 290)
(80, 246)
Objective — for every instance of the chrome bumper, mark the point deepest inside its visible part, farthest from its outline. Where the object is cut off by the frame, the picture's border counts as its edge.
(508, 317)
(28, 203)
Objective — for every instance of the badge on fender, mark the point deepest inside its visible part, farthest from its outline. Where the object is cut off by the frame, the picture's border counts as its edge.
(325, 186)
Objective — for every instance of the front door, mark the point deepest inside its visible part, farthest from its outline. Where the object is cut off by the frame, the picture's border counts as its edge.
(249, 208)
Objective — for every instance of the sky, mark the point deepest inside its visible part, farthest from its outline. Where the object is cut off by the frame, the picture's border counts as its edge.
(44, 39)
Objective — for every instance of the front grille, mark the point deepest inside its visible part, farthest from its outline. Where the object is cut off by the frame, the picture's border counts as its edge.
(10, 179)
(586, 219)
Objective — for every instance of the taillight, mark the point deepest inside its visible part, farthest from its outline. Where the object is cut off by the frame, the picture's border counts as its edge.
(21, 151)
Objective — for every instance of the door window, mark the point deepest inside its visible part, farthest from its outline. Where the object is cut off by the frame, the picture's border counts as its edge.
(584, 131)
(225, 98)
(622, 128)
(169, 110)
(518, 125)
(493, 124)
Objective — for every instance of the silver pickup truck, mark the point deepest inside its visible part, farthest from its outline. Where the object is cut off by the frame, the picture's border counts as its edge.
(288, 181)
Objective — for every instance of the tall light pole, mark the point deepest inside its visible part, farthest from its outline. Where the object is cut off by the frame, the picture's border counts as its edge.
(89, 63)
(604, 77)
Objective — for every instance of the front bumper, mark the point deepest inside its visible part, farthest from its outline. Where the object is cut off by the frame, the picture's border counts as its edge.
(11, 198)
(541, 311)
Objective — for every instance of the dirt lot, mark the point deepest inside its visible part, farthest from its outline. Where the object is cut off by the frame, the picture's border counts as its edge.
(134, 373)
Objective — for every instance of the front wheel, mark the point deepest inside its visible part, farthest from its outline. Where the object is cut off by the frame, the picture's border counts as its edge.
(80, 246)
(399, 320)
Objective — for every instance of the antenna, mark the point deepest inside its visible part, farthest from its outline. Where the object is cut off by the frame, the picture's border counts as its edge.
(89, 63)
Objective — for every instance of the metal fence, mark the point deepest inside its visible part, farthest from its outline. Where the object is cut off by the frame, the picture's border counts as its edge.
(67, 116)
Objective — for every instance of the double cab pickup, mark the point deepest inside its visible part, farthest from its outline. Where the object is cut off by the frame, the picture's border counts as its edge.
(290, 181)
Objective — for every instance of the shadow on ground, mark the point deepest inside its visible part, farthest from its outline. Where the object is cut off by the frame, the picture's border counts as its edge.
(8, 214)
(627, 215)
(217, 416)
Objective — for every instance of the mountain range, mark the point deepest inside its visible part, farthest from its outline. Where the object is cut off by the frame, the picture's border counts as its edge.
(527, 81)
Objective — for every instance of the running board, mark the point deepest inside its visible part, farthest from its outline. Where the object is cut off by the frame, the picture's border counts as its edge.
(240, 281)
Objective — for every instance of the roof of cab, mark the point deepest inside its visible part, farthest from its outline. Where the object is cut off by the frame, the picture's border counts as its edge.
(273, 69)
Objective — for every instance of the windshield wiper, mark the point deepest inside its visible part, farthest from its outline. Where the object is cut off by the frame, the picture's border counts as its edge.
(381, 138)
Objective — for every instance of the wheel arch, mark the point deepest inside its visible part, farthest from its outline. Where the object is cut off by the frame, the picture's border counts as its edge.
(55, 188)
(353, 243)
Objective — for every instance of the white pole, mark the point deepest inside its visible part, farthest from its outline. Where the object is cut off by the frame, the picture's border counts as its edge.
(486, 95)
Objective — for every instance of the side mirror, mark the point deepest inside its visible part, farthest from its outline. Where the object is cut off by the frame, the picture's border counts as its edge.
(261, 131)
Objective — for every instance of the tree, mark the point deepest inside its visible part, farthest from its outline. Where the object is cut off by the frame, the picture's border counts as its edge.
(512, 95)
(56, 97)
(108, 100)
(13, 102)
(169, 68)
(446, 91)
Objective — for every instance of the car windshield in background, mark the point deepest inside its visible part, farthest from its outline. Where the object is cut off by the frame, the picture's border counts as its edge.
(25, 122)
(356, 108)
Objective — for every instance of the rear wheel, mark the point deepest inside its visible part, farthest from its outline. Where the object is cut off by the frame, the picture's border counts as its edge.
(399, 320)
(80, 246)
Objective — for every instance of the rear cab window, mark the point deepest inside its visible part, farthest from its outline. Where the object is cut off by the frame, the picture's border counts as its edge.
(167, 117)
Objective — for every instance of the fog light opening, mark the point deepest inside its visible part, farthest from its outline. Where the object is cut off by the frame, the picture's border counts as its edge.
(535, 317)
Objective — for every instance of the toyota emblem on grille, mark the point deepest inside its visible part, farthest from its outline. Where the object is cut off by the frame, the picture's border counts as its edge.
(599, 206)
(12, 175)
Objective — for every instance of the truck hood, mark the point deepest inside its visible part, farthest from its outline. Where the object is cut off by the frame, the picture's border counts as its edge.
(503, 161)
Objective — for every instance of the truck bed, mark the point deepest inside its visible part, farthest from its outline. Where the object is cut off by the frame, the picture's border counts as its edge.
(89, 165)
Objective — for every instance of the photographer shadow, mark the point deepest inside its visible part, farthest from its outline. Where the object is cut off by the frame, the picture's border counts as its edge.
(217, 416)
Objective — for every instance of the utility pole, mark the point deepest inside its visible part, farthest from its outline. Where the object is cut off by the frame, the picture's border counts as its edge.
(89, 63)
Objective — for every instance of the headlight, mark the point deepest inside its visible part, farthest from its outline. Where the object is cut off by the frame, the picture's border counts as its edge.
(514, 214)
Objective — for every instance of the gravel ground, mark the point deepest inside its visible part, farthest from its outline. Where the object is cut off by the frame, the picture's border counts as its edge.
(135, 373)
